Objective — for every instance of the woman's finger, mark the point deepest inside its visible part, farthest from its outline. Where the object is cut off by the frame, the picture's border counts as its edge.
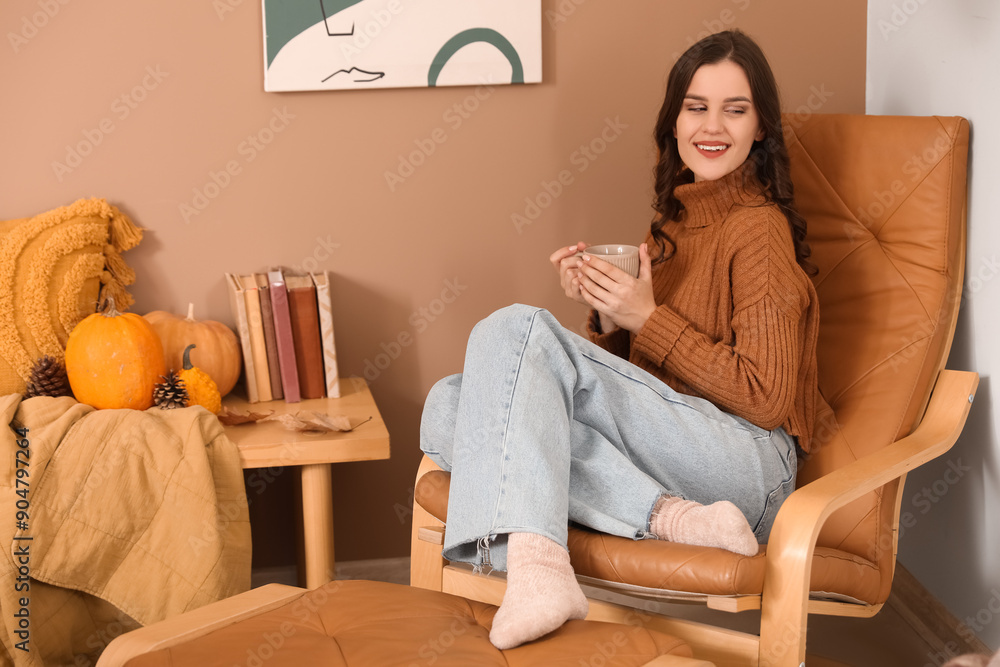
(565, 252)
(602, 288)
(645, 264)
(603, 273)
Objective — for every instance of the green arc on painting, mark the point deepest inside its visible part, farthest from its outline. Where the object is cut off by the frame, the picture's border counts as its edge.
(472, 36)
(287, 19)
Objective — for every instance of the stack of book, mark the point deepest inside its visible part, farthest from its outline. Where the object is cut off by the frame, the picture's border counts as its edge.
(285, 325)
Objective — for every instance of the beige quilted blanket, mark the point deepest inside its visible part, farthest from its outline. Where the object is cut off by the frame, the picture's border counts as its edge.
(129, 517)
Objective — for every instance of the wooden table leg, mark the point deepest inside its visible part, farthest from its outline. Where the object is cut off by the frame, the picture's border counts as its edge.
(317, 523)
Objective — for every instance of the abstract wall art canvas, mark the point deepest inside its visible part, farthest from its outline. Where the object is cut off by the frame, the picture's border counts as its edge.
(356, 44)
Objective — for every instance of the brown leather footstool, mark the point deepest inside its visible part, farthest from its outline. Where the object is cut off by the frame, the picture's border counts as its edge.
(374, 624)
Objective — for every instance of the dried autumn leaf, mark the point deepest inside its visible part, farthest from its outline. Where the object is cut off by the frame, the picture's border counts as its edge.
(230, 417)
(309, 421)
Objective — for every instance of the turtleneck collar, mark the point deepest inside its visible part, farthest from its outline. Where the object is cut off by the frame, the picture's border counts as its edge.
(707, 202)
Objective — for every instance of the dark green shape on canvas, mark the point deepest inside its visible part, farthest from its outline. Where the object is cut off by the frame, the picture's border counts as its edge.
(472, 36)
(287, 18)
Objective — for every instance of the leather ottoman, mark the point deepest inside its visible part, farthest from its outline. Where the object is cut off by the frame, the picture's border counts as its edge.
(374, 624)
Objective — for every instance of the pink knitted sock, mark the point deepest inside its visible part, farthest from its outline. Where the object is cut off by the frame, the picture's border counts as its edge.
(720, 524)
(542, 592)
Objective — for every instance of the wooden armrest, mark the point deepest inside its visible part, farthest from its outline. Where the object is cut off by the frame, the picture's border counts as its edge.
(196, 623)
(797, 526)
(426, 465)
(808, 507)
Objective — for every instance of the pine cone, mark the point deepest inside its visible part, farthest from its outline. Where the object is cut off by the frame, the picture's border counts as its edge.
(170, 393)
(48, 378)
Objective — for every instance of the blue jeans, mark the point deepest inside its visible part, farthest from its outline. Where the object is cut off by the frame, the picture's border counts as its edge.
(543, 427)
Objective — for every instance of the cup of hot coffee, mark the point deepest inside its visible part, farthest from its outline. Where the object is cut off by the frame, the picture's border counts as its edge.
(625, 257)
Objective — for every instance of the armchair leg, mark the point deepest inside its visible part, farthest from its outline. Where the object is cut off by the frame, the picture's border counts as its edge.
(426, 541)
(785, 600)
(782, 643)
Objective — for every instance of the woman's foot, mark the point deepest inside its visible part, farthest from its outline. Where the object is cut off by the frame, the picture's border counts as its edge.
(720, 525)
(542, 591)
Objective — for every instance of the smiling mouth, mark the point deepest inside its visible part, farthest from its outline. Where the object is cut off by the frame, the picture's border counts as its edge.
(712, 150)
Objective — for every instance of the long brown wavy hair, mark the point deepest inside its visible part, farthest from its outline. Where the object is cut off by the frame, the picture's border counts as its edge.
(769, 155)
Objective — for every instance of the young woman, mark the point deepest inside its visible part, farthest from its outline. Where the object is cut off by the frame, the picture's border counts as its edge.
(679, 419)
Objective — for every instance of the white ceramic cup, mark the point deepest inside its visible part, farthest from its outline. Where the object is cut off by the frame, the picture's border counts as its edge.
(625, 257)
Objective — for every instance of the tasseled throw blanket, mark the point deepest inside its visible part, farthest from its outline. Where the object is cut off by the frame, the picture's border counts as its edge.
(128, 517)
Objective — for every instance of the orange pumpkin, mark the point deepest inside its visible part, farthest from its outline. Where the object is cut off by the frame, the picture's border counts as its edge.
(217, 352)
(113, 360)
(201, 388)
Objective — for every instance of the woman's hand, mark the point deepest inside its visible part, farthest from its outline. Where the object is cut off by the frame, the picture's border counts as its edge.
(614, 294)
(566, 264)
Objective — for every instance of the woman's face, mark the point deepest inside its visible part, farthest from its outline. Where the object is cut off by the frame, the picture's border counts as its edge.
(718, 123)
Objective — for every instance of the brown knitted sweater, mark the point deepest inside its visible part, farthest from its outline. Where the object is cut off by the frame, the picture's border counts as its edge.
(737, 318)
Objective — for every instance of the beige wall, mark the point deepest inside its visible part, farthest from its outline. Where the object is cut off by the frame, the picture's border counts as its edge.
(424, 261)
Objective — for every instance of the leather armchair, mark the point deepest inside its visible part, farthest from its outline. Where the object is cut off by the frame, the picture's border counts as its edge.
(885, 200)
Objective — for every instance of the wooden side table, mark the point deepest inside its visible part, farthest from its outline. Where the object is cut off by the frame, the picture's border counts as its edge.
(265, 444)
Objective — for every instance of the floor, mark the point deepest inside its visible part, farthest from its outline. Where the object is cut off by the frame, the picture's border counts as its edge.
(883, 641)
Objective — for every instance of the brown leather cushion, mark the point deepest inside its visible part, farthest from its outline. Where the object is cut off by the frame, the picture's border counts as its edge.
(884, 197)
(366, 623)
(680, 567)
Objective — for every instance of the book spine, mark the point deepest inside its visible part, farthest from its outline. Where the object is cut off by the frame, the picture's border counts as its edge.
(325, 304)
(258, 347)
(271, 345)
(238, 305)
(305, 334)
(283, 338)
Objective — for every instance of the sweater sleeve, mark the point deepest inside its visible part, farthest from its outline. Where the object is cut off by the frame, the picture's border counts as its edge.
(753, 375)
(616, 342)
